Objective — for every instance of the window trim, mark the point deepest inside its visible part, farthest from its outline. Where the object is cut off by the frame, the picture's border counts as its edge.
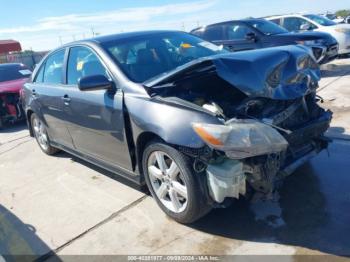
(35, 77)
(65, 83)
(43, 64)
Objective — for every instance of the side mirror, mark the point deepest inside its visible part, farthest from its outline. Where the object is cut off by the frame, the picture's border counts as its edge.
(305, 27)
(250, 36)
(94, 82)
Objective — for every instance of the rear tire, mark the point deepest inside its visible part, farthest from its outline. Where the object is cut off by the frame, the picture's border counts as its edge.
(173, 183)
(41, 136)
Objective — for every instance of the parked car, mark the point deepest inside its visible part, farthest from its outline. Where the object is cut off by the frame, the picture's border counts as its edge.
(310, 22)
(347, 20)
(196, 123)
(259, 33)
(12, 78)
(334, 18)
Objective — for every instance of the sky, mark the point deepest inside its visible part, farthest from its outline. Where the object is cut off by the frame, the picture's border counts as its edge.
(45, 24)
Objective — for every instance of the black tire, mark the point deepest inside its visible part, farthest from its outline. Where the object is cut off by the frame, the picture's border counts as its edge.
(49, 150)
(197, 204)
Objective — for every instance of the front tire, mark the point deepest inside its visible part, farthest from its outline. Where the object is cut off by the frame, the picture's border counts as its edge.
(41, 136)
(173, 184)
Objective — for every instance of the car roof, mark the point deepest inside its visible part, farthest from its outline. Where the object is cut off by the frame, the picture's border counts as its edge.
(122, 36)
(286, 15)
(229, 21)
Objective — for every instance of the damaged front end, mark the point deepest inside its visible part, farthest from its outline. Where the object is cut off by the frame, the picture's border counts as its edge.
(271, 121)
(10, 108)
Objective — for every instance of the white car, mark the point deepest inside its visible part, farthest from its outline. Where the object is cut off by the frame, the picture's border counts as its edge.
(333, 17)
(310, 22)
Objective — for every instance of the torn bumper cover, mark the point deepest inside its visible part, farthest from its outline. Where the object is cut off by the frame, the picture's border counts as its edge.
(10, 107)
(258, 153)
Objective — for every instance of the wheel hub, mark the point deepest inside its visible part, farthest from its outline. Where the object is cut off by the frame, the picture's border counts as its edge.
(166, 181)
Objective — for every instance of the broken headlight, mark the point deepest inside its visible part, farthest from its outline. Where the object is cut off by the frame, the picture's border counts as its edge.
(274, 78)
(241, 138)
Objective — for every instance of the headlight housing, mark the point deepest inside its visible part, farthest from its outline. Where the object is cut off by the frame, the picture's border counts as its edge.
(311, 42)
(241, 138)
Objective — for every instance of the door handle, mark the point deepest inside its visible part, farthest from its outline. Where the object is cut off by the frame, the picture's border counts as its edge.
(66, 99)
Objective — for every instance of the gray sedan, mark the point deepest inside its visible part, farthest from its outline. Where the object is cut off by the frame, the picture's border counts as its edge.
(199, 125)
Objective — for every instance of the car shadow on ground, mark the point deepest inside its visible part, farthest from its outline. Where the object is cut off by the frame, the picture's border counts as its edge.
(311, 209)
(104, 172)
(15, 127)
(337, 132)
(335, 70)
(18, 240)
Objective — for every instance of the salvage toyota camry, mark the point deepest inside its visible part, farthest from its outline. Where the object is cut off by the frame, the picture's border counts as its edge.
(197, 124)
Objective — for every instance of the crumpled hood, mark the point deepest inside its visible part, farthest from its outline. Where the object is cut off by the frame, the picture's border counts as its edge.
(13, 86)
(286, 72)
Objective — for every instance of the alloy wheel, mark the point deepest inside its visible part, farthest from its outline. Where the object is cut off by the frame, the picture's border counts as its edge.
(40, 134)
(167, 181)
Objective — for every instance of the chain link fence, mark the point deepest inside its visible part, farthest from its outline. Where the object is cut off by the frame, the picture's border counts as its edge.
(30, 59)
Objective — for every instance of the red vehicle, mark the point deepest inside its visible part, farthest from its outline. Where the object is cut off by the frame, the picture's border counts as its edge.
(12, 78)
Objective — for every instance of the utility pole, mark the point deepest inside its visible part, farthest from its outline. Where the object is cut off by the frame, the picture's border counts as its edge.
(60, 39)
(92, 31)
(183, 26)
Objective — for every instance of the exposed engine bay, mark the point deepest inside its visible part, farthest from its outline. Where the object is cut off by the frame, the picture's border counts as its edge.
(270, 130)
(10, 108)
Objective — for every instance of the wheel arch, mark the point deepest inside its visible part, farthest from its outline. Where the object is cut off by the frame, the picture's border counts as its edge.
(29, 123)
(142, 140)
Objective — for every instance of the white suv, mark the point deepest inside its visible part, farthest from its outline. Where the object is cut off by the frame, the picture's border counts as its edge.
(307, 22)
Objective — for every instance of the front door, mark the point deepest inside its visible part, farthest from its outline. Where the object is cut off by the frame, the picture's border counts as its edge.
(95, 119)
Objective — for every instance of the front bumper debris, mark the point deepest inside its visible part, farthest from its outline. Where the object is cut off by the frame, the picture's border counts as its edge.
(229, 177)
(226, 179)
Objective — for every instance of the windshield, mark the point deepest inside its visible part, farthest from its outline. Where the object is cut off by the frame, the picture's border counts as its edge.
(146, 56)
(267, 27)
(321, 20)
(13, 72)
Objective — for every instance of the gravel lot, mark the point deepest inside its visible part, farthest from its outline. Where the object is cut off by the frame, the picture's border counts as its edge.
(71, 207)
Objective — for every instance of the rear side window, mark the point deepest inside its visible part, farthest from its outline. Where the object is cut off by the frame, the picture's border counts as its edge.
(213, 33)
(238, 31)
(276, 21)
(54, 68)
(83, 62)
(39, 78)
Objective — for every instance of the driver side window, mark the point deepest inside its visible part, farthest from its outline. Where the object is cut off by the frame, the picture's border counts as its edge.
(83, 62)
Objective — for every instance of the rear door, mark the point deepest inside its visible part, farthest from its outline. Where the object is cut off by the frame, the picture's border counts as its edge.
(95, 119)
(47, 93)
(236, 35)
